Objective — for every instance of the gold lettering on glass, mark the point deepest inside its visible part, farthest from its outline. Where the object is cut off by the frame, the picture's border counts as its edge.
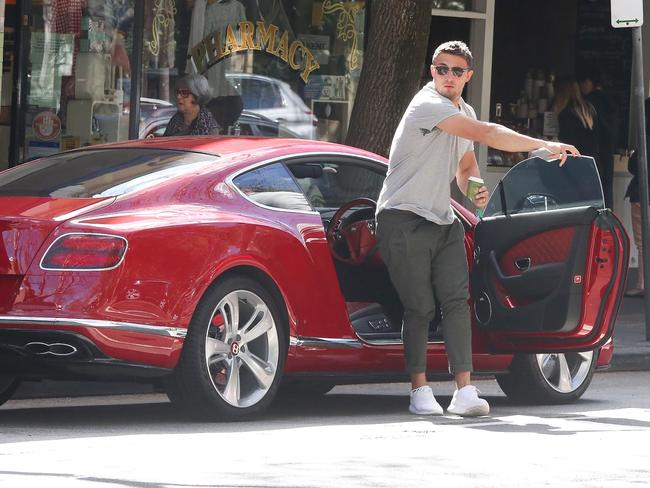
(346, 25)
(164, 11)
(253, 37)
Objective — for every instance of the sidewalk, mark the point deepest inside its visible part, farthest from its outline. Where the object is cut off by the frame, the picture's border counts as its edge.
(631, 350)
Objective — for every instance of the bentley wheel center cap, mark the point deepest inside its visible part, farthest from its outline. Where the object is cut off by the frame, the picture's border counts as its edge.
(234, 348)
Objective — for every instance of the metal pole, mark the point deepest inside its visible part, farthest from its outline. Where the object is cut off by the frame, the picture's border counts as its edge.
(638, 100)
(136, 63)
(19, 94)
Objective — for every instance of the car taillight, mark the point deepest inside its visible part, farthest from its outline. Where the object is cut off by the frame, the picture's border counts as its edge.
(85, 252)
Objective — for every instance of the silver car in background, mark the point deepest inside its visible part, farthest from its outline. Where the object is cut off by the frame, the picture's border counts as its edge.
(275, 100)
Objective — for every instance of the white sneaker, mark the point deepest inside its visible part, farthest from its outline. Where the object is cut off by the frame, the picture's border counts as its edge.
(423, 402)
(466, 403)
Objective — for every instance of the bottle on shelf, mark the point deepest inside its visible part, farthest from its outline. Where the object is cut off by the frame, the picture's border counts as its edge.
(528, 85)
(550, 90)
(538, 84)
(522, 105)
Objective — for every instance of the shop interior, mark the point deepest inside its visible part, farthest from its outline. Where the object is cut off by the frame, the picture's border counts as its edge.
(525, 67)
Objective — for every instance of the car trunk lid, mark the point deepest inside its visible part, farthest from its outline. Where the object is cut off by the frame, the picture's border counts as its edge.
(25, 224)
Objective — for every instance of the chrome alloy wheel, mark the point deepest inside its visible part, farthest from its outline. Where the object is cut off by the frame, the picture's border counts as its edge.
(565, 372)
(242, 348)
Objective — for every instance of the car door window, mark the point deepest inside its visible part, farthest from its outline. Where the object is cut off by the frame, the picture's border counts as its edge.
(331, 184)
(537, 185)
(272, 186)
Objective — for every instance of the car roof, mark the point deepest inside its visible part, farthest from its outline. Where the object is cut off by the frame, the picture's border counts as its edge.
(231, 145)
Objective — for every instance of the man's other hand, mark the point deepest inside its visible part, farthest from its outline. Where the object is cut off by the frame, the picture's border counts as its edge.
(481, 197)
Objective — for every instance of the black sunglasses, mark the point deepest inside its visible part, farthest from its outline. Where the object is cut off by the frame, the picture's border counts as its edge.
(457, 71)
(183, 92)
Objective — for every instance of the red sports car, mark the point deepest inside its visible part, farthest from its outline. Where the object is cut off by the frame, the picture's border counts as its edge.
(226, 268)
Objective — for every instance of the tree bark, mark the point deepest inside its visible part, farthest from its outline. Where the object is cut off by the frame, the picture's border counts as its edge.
(392, 68)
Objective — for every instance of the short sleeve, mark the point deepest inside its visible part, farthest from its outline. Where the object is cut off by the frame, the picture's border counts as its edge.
(428, 114)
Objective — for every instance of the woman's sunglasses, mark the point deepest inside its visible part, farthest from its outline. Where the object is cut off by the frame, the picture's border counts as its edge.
(442, 70)
(183, 92)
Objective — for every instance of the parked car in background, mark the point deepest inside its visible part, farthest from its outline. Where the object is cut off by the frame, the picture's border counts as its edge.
(248, 124)
(149, 106)
(275, 100)
(223, 267)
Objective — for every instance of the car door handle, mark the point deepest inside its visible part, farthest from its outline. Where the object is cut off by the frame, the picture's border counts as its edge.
(522, 264)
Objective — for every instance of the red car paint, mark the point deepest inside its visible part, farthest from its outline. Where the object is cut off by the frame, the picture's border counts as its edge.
(185, 233)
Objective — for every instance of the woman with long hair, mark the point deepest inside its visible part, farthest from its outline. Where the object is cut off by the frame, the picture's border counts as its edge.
(577, 118)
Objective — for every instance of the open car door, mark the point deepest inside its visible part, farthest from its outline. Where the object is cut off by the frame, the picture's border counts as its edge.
(550, 261)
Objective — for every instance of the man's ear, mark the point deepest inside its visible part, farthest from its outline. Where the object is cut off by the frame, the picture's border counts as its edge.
(469, 75)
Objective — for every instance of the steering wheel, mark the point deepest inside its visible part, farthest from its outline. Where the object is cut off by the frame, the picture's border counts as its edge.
(357, 235)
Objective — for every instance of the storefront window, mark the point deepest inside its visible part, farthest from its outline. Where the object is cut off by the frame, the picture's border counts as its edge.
(78, 74)
(7, 32)
(289, 68)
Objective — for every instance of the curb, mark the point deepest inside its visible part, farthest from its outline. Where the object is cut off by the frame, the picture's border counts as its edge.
(630, 362)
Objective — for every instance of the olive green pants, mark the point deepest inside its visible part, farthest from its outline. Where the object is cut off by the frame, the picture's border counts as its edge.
(427, 264)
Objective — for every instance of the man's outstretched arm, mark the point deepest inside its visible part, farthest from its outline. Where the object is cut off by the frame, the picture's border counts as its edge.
(500, 137)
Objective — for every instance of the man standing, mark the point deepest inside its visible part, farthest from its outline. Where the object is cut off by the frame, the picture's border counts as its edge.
(419, 238)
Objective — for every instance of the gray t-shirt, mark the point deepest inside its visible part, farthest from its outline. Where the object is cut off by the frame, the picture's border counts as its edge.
(423, 159)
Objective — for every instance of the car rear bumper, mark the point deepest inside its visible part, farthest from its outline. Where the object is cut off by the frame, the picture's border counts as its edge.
(26, 341)
(64, 355)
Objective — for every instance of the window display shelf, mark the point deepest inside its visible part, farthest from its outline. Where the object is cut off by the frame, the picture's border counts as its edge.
(96, 121)
(333, 118)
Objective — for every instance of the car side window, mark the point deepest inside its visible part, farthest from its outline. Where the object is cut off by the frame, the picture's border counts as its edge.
(538, 185)
(329, 185)
(272, 186)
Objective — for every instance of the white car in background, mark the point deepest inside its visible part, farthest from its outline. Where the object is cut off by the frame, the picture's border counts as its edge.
(275, 100)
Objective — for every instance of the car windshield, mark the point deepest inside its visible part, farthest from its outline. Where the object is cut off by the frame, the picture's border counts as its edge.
(97, 173)
(538, 185)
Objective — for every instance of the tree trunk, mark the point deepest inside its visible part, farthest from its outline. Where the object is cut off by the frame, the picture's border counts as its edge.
(392, 68)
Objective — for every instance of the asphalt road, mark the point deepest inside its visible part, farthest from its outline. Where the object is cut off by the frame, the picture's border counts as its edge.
(355, 436)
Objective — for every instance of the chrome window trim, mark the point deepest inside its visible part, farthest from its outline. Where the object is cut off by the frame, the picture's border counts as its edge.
(85, 269)
(177, 332)
(231, 184)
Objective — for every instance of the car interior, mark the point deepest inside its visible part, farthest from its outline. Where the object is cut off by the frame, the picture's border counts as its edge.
(530, 246)
(345, 196)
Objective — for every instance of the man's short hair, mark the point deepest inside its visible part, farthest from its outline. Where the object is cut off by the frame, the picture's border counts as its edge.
(457, 48)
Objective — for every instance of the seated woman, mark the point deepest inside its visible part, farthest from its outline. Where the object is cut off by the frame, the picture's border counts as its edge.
(192, 118)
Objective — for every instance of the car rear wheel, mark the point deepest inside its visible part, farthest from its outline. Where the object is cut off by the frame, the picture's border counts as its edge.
(8, 385)
(549, 378)
(234, 352)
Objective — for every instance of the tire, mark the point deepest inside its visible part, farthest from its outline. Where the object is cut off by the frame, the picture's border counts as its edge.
(234, 353)
(544, 379)
(8, 385)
